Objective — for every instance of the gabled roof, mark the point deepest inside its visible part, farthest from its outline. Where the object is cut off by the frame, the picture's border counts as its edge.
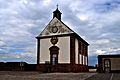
(63, 29)
(59, 25)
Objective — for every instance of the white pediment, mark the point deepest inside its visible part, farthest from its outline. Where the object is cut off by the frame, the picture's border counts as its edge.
(55, 27)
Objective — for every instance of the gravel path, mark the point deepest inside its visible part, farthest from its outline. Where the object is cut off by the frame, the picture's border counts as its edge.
(12, 75)
(115, 76)
(19, 75)
(100, 76)
(105, 76)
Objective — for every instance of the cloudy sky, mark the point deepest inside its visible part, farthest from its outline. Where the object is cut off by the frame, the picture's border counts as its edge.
(96, 21)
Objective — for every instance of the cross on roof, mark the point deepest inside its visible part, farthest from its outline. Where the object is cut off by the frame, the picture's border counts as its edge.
(57, 5)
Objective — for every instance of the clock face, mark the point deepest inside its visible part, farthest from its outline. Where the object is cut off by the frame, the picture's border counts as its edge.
(54, 29)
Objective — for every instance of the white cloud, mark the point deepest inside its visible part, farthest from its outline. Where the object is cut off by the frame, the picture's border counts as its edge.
(46, 2)
(99, 52)
(83, 17)
(103, 41)
(23, 1)
(2, 43)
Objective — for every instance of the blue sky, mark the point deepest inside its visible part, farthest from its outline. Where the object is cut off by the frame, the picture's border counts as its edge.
(96, 21)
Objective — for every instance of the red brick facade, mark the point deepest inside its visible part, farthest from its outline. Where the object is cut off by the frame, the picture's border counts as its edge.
(62, 68)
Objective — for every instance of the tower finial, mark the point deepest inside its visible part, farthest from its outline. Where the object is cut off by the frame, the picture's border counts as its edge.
(57, 13)
(57, 6)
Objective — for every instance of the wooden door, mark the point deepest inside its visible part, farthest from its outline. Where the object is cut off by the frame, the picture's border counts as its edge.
(107, 65)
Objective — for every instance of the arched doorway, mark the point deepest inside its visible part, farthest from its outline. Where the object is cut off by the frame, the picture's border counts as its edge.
(54, 51)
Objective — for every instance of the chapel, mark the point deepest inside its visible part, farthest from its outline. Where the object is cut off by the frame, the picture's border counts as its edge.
(60, 49)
